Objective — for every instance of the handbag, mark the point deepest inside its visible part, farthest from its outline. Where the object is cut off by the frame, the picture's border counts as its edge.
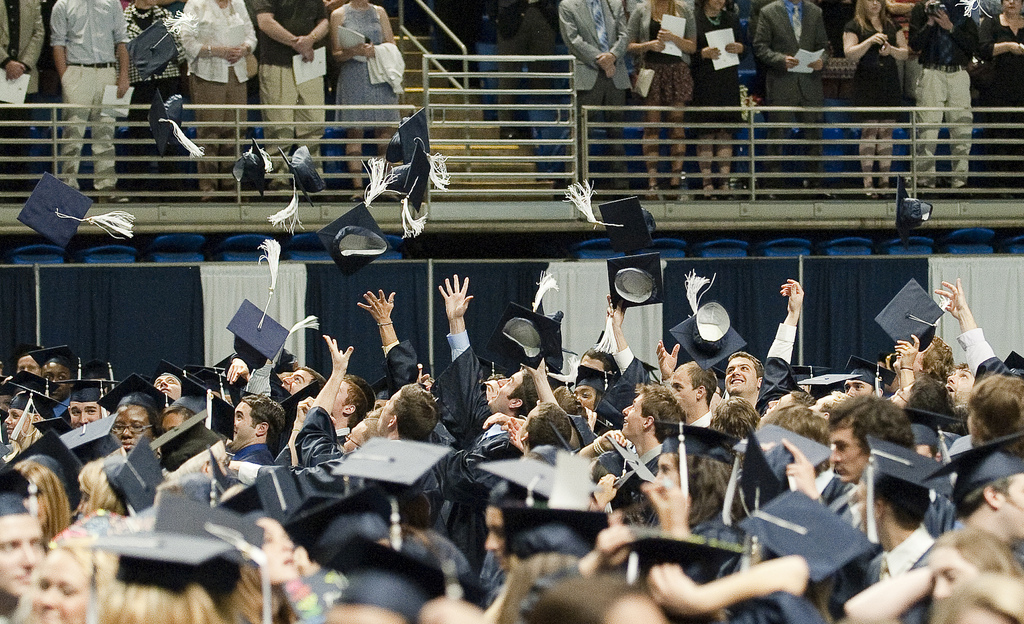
(642, 83)
(252, 66)
(982, 74)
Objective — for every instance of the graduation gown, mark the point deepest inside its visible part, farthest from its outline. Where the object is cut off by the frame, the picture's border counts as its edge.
(777, 382)
(461, 401)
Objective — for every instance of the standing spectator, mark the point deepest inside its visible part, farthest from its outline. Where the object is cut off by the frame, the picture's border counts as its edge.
(290, 27)
(595, 33)
(910, 70)
(946, 38)
(21, 41)
(216, 54)
(672, 84)
(783, 28)
(354, 86)
(525, 27)
(90, 52)
(1001, 42)
(873, 40)
(712, 88)
(140, 15)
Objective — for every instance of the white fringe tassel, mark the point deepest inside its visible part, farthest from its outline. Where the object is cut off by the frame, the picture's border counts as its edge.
(182, 22)
(580, 194)
(310, 322)
(547, 282)
(288, 217)
(118, 223)
(194, 151)
(439, 175)
(381, 176)
(607, 344)
(272, 254)
(411, 227)
(694, 284)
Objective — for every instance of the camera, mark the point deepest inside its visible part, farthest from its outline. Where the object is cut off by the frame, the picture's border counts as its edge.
(933, 7)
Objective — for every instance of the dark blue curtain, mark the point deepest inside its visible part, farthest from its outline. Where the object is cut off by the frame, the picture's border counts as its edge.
(747, 287)
(332, 297)
(493, 285)
(843, 297)
(131, 316)
(18, 312)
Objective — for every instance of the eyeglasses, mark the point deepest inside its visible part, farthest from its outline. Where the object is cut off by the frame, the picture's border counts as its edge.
(136, 429)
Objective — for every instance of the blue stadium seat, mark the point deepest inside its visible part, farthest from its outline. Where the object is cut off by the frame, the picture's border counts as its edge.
(594, 249)
(721, 248)
(784, 247)
(240, 248)
(304, 247)
(845, 246)
(396, 246)
(916, 246)
(1014, 245)
(105, 254)
(176, 248)
(668, 247)
(36, 254)
(968, 241)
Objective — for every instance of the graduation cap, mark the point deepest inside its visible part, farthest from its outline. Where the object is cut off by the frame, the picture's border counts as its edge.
(135, 477)
(1014, 362)
(354, 239)
(536, 477)
(596, 379)
(933, 429)
(531, 530)
(51, 452)
(41, 404)
(266, 340)
(183, 515)
(402, 146)
(252, 167)
(191, 433)
(824, 384)
(166, 368)
(85, 390)
(92, 440)
(703, 441)
(165, 122)
(412, 178)
(304, 172)
(276, 492)
(760, 481)
(24, 380)
(636, 280)
(524, 336)
(702, 559)
(49, 206)
(912, 312)
(152, 50)
(708, 335)
(400, 462)
(57, 425)
(902, 477)
(321, 529)
(63, 355)
(773, 435)
(173, 560)
(870, 373)
(629, 225)
(134, 390)
(793, 524)
(13, 492)
(977, 467)
(910, 213)
(98, 369)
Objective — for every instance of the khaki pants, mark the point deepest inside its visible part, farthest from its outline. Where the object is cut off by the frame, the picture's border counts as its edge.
(84, 85)
(218, 140)
(287, 126)
(937, 88)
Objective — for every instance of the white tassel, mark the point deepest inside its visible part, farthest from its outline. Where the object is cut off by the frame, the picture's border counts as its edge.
(439, 175)
(580, 194)
(570, 369)
(268, 166)
(694, 284)
(194, 151)
(607, 344)
(272, 254)
(970, 6)
(411, 227)
(117, 223)
(381, 176)
(547, 282)
(181, 23)
(310, 322)
(288, 217)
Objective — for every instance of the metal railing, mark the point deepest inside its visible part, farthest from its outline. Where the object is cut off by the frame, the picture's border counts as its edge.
(439, 23)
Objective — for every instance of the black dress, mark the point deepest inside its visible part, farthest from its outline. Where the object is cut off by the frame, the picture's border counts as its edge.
(1007, 90)
(711, 87)
(876, 81)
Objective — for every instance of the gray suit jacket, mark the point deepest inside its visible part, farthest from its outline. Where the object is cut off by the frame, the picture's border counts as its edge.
(775, 40)
(580, 35)
(30, 37)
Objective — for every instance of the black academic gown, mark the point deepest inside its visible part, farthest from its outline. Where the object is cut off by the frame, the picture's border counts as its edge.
(401, 366)
(778, 381)
(461, 401)
(621, 392)
(992, 366)
(317, 441)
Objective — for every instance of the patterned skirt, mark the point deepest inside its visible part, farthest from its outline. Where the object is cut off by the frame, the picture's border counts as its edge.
(672, 85)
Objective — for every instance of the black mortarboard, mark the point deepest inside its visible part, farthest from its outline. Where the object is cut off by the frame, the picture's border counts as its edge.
(701, 558)
(401, 462)
(703, 441)
(251, 168)
(636, 280)
(529, 530)
(402, 146)
(193, 397)
(98, 369)
(304, 172)
(412, 178)
(800, 373)
(50, 197)
(910, 213)
(628, 226)
(596, 379)
(24, 380)
(793, 524)
(535, 476)
(160, 109)
(912, 312)
(152, 50)
(57, 425)
(977, 467)
(815, 452)
(866, 371)
(311, 528)
(708, 336)
(173, 560)
(50, 451)
(931, 420)
(129, 391)
(136, 477)
(823, 384)
(13, 491)
(166, 368)
(903, 477)
(1014, 361)
(42, 404)
(759, 482)
(266, 339)
(92, 440)
(524, 336)
(180, 514)
(276, 492)
(85, 390)
(185, 441)
(62, 354)
(354, 239)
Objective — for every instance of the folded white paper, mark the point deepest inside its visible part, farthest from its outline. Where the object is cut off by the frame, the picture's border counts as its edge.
(13, 91)
(805, 58)
(676, 26)
(719, 39)
(313, 69)
(348, 38)
(114, 106)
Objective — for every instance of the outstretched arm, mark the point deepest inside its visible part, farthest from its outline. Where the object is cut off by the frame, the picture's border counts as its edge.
(785, 337)
(972, 337)
(380, 308)
(456, 302)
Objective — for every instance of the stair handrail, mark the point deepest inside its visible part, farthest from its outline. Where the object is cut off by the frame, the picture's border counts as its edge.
(423, 49)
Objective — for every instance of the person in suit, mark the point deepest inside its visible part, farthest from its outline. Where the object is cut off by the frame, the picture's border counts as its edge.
(783, 28)
(525, 27)
(595, 33)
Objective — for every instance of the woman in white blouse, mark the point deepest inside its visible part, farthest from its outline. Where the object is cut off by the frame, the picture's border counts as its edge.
(216, 55)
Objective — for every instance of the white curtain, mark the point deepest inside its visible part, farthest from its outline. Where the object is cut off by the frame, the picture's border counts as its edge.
(995, 290)
(225, 286)
(581, 295)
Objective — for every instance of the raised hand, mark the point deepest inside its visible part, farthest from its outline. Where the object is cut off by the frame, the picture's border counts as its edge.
(957, 305)
(237, 370)
(456, 302)
(795, 292)
(339, 358)
(667, 361)
(378, 305)
(908, 352)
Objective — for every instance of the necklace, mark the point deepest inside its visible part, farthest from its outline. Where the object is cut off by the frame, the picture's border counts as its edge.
(716, 20)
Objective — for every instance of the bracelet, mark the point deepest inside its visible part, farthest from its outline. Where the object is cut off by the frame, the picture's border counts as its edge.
(209, 49)
(383, 324)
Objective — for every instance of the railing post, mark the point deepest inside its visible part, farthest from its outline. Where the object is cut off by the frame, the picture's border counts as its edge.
(752, 161)
(913, 151)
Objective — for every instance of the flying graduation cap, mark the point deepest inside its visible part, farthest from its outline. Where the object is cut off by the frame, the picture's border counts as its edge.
(912, 312)
(56, 210)
(353, 240)
(708, 335)
(636, 280)
(165, 122)
(257, 334)
(252, 167)
(629, 225)
(910, 213)
(152, 50)
(304, 173)
(524, 336)
(402, 145)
